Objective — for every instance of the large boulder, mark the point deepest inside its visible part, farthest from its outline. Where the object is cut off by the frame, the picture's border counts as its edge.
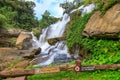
(107, 26)
(24, 40)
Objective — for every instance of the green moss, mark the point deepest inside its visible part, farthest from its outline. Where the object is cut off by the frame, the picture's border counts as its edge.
(2, 20)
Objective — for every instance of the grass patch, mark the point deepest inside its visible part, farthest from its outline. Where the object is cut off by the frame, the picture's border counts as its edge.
(71, 75)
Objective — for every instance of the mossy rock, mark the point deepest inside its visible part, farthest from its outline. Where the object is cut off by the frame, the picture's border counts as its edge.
(52, 41)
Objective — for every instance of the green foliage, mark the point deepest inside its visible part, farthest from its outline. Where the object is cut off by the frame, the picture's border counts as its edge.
(47, 20)
(71, 75)
(102, 51)
(2, 20)
(75, 31)
(18, 14)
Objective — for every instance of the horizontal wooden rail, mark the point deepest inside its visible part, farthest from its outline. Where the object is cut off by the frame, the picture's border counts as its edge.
(77, 68)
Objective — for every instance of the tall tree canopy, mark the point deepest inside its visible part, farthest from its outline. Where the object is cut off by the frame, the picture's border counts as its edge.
(18, 13)
(47, 19)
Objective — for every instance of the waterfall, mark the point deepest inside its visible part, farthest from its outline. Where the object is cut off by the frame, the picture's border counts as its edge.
(54, 30)
(54, 53)
(58, 52)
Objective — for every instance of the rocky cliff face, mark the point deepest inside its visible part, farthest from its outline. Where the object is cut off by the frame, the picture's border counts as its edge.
(8, 37)
(107, 26)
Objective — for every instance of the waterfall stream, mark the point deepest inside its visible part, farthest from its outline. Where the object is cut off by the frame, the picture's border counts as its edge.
(58, 52)
(53, 31)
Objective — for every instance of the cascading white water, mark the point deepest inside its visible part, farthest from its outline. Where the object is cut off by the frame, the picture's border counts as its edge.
(59, 50)
(53, 31)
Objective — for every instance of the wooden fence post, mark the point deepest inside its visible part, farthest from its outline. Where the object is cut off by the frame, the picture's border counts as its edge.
(77, 67)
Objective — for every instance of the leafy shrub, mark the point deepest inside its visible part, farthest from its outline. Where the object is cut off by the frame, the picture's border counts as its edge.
(2, 20)
(75, 31)
(47, 20)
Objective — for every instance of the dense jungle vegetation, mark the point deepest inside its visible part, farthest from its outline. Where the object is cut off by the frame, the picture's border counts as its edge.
(17, 14)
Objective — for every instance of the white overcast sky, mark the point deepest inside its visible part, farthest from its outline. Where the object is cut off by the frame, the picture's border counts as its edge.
(51, 5)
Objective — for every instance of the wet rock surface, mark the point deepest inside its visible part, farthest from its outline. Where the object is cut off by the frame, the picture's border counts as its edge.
(52, 41)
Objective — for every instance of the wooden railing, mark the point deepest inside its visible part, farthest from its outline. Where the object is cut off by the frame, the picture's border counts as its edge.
(77, 67)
